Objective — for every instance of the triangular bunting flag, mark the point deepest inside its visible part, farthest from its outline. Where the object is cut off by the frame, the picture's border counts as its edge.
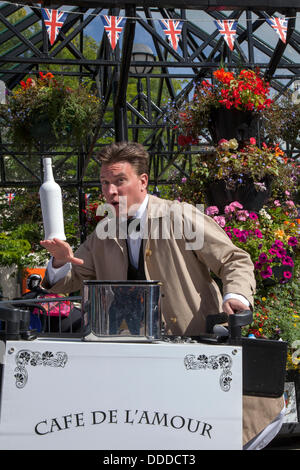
(10, 197)
(172, 29)
(280, 26)
(227, 28)
(53, 19)
(113, 26)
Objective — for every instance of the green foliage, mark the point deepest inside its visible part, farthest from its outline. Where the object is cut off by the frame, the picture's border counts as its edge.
(46, 110)
(12, 251)
(282, 120)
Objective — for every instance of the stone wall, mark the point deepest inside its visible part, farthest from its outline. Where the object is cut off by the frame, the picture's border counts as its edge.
(10, 282)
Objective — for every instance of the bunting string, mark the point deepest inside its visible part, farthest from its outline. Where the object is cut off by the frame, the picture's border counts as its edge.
(171, 28)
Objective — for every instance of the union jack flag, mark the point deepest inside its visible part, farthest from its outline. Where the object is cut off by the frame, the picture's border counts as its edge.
(280, 26)
(228, 29)
(113, 26)
(172, 29)
(53, 19)
(10, 197)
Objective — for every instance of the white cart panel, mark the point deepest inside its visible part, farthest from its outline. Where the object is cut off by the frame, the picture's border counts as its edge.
(78, 395)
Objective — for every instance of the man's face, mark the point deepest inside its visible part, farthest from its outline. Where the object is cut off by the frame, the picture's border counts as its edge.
(120, 180)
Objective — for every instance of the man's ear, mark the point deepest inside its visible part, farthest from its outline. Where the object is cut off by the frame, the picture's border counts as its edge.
(144, 180)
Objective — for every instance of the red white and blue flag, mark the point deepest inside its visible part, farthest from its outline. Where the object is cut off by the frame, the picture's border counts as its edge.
(172, 29)
(113, 26)
(10, 197)
(54, 20)
(280, 25)
(227, 28)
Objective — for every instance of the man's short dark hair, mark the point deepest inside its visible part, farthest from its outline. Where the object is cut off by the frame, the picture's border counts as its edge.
(131, 152)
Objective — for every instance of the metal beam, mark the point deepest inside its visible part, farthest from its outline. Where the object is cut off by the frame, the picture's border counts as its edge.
(187, 4)
(120, 108)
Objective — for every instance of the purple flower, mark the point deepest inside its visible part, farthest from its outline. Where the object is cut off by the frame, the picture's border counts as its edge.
(184, 179)
(272, 251)
(258, 265)
(292, 241)
(243, 237)
(258, 233)
(277, 244)
(266, 273)
(263, 257)
(282, 252)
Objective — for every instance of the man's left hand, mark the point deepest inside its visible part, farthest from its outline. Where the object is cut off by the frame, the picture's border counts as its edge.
(231, 306)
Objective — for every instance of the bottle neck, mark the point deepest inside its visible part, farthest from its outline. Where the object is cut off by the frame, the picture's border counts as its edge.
(48, 173)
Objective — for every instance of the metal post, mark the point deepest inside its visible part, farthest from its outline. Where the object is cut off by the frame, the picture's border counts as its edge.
(121, 126)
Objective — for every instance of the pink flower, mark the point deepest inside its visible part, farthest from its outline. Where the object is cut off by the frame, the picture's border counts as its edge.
(220, 220)
(232, 206)
(287, 261)
(277, 244)
(211, 210)
(236, 232)
(228, 209)
(287, 274)
(287, 193)
(292, 241)
(184, 179)
(266, 273)
(258, 233)
(253, 216)
(242, 215)
(223, 141)
(236, 205)
(277, 203)
(252, 141)
(290, 203)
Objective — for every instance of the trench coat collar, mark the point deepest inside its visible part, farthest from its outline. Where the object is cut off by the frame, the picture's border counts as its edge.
(156, 208)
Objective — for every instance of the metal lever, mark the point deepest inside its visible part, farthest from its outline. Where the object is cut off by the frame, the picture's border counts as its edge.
(236, 321)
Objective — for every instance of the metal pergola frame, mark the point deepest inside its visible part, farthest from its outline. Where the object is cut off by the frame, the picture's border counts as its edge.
(200, 53)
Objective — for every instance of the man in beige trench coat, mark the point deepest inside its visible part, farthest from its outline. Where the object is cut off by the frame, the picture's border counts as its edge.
(179, 245)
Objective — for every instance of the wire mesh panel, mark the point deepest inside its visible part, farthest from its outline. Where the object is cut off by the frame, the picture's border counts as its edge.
(49, 315)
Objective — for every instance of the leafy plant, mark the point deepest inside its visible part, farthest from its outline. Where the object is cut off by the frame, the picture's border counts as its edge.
(13, 251)
(244, 91)
(237, 168)
(47, 110)
(282, 120)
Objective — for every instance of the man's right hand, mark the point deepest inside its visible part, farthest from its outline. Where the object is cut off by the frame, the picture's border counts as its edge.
(61, 251)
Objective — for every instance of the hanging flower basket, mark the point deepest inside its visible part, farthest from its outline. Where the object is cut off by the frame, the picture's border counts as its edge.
(233, 124)
(47, 111)
(229, 108)
(218, 194)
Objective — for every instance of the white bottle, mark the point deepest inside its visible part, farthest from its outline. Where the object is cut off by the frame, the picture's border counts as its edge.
(51, 203)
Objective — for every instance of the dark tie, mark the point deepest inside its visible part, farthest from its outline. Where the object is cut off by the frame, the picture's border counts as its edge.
(137, 227)
(136, 274)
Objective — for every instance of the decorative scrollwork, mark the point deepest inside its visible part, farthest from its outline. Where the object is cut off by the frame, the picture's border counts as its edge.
(36, 358)
(220, 361)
